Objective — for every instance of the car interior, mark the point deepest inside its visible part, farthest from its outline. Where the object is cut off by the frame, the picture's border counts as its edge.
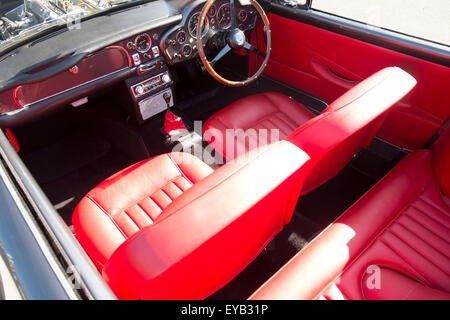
(146, 139)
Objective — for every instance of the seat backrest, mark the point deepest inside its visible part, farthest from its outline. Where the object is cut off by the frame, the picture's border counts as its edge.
(335, 136)
(211, 232)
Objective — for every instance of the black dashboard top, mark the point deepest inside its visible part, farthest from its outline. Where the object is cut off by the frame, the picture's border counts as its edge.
(71, 45)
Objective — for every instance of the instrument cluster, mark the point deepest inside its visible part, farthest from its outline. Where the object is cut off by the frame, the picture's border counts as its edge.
(142, 47)
(179, 44)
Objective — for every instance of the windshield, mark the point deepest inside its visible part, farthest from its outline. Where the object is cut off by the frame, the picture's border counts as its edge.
(20, 19)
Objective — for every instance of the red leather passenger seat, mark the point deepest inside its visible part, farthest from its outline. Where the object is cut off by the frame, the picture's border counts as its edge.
(171, 228)
(393, 243)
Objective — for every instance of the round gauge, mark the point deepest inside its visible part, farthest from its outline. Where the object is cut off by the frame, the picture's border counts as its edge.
(181, 37)
(192, 25)
(224, 16)
(242, 15)
(212, 11)
(186, 51)
(143, 43)
(242, 27)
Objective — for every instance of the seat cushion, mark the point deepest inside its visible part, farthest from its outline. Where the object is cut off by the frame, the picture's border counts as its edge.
(270, 110)
(132, 199)
(399, 229)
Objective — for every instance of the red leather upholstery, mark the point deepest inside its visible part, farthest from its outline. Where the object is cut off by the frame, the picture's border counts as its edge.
(130, 200)
(442, 161)
(401, 226)
(203, 238)
(327, 64)
(331, 139)
(270, 110)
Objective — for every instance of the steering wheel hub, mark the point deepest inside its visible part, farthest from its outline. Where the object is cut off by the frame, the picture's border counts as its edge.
(236, 39)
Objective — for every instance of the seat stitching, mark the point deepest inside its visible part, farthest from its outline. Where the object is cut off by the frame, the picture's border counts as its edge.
(156, 203)
(179, 169)
(429, 216)
(421, 238)
(293, 127)
(408, 215)
(166, 193)
(277, 126)
(431, 204)
(176, 185)
(108, 215)
(376, 236)
(148, 215)
(424, 279)
(280, 111)
(414, 249)
(129, 216)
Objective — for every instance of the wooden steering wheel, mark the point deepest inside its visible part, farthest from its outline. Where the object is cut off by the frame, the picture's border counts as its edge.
(235, 39)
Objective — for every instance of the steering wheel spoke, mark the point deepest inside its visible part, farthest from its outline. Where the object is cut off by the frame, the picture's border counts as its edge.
(220, 55)
(233, 17)
(253, 49)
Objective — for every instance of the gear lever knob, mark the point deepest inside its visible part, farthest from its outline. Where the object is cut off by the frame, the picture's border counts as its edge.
(167, 96)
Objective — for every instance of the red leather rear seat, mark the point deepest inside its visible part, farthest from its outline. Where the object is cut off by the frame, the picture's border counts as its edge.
(393, 243)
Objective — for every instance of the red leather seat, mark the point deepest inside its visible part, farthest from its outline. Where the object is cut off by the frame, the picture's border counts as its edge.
(270, 110)
(367, 105)
(171, 228)
(393, 243)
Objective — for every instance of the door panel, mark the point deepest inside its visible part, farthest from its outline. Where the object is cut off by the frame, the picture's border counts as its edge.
(326, 64)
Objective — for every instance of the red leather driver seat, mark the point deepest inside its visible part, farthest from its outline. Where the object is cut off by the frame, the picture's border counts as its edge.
(375, 95)
(393, 243)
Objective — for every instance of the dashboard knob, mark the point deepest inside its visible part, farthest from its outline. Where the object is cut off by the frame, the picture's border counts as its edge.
(139, 90)
(165, 78)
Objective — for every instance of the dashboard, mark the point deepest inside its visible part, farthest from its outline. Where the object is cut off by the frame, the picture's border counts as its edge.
(144, 42)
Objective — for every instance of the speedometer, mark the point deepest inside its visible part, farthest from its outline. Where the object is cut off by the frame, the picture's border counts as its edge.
(224, 16)
(192, 25)
(143, 43)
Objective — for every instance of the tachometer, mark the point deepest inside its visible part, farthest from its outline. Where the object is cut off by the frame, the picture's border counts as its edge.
(212, 11)
(192, 25)
(224, 16)
(143, 43)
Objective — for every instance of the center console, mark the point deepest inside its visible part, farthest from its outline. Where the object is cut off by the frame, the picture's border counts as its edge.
(151, 91)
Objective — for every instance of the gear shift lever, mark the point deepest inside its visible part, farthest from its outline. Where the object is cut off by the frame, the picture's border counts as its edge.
(173, 124)
(167, 97)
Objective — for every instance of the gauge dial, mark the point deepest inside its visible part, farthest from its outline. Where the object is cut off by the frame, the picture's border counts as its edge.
(212, 11)
(192, 25)
(187, 50)
(224, 16)
(181, 37)
(143, 43)
(242, 15)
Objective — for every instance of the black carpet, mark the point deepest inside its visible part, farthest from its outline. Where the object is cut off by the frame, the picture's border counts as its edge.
(67, 169)
(284, 246)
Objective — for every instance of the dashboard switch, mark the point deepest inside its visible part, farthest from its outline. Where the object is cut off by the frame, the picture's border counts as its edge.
(136, 59)
(155, 51)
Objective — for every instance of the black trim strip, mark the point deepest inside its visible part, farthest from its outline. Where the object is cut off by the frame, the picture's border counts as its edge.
(426, 50)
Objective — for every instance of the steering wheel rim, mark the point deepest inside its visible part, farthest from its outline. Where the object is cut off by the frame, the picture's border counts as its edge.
(228, 47)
